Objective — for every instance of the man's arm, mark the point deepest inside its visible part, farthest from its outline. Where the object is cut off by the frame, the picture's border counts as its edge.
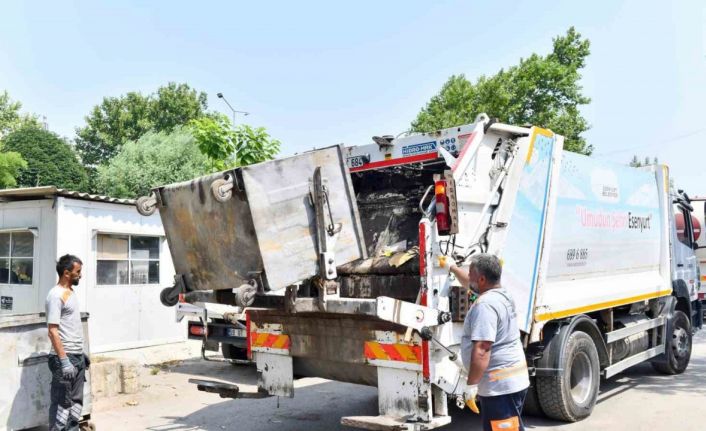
(480, 357)
(56, 340)
(461, 274)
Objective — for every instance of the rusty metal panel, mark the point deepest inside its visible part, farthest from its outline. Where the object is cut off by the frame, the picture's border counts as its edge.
(213, 244)
(266, 230)
(284, 218)
(328, 345)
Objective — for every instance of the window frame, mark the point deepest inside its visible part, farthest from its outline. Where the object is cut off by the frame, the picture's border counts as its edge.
(130, 259)
(35, 235)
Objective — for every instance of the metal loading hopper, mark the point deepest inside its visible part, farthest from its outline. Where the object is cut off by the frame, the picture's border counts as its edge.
(258, 222)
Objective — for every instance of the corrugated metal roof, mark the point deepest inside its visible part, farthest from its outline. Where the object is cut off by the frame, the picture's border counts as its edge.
(48, 192)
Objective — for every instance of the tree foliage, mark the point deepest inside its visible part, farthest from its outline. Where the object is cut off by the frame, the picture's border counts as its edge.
(118, 120)
(227, 148)
(540, 90)
(11, 164)
(50, 159)
(157, 158)
(11, 118)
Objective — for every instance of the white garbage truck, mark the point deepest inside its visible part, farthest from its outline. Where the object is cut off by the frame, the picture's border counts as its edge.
(342, 247)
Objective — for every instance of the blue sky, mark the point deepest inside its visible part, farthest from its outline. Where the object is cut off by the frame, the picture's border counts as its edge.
(321, 73)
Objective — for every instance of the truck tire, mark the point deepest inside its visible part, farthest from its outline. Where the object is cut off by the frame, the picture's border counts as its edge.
(234, 353)
(531, 406)
(678, 346)
(571, 395)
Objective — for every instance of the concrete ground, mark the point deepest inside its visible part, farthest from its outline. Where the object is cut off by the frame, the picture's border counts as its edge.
(639, 399)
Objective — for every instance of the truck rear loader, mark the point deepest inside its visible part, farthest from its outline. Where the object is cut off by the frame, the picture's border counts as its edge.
(333, 258)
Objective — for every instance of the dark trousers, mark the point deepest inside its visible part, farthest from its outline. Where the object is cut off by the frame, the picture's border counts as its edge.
(66, 395)
(503, 412)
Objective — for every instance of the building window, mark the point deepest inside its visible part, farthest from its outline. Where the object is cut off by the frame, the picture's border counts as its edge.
(127, 259)
(16, 257)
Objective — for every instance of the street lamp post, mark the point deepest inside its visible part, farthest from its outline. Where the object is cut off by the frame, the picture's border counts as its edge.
(221, 96)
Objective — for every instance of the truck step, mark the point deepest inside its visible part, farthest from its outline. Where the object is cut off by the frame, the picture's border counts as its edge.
(225, 390)
(388, 423)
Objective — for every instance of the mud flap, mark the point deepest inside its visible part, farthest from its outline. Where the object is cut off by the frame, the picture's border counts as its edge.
(404, 394)
(275, 374)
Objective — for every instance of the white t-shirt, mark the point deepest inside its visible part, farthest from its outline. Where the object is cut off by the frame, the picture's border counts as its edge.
(62, 309)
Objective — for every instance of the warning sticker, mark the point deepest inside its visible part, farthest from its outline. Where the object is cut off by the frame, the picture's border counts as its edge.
(5, 302)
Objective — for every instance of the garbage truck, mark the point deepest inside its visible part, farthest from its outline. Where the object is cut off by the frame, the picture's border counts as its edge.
(334, 257)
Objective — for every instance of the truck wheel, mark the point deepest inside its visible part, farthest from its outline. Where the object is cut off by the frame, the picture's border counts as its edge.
(678, 349)
(233, 352)
(570, 395)
(531, 406)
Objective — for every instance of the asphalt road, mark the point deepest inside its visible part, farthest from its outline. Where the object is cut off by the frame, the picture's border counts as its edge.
(638, 399)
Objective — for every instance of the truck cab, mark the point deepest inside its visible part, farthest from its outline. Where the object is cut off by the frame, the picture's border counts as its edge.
(685, 264)
(698, 222)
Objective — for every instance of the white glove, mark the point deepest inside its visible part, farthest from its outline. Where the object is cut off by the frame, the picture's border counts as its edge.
(469, 396)
(68, 370)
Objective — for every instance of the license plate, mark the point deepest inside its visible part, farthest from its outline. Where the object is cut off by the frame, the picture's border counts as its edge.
(235, 332)
(357, 161)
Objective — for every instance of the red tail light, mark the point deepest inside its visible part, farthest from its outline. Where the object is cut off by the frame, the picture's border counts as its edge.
(442, 208)
(196, 330)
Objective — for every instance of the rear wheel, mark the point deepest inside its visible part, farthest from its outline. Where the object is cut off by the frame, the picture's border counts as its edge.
(571, 395)
(678, 346)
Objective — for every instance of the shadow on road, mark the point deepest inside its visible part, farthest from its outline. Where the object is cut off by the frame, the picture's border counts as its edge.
(319, 406)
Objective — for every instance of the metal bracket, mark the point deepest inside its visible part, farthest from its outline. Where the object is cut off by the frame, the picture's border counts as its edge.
(327, 232)
(225, 390)
(388, 423)
(408, 314)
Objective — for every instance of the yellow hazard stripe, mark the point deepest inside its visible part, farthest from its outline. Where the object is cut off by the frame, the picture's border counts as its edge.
(270, 340)
(409, 353)
(599, 306)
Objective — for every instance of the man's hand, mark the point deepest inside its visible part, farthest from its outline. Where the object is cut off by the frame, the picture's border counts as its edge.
(68, 371)
(469, 396)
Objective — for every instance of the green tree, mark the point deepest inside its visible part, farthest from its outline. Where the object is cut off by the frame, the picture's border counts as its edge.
(50, 159)
(157, 158)
(175, 105)
(11, 164)
(226, 148)
(118, 120)
(540, 90)
(10, 117)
